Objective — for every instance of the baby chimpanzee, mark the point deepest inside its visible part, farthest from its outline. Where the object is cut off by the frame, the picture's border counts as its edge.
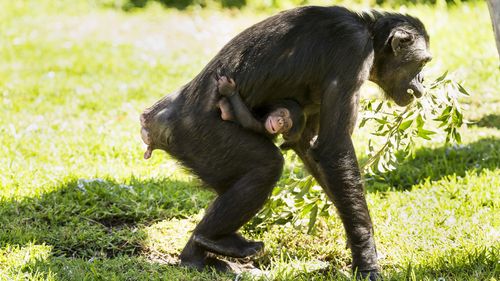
(283, 117)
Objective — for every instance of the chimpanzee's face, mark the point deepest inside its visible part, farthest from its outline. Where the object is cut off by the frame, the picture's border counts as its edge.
(278, 121)
(398, 68)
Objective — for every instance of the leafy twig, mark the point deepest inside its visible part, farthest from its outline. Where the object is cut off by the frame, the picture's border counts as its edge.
(298, 201)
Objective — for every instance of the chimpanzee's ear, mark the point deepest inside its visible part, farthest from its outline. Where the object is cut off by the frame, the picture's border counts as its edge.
(399, 40)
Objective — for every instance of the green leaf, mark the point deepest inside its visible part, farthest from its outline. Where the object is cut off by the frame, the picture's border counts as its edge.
(462, 90)
(405, 125)
(445, 115)
(382, 121)
(458, 137)
(423, 133)
(312, 219)
(420, 121)
(307, 209)
(362, 123)
(457, 118)
(306, 186)
(380, 165)
(441, 78)
(369, 106)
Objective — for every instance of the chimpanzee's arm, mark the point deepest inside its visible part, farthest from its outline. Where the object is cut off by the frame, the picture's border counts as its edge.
(333, 162)
(243, 114)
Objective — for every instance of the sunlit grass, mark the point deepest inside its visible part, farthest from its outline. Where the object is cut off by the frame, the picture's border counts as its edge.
(77, 201)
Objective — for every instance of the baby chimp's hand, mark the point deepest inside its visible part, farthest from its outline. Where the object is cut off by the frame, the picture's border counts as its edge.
(226, 86)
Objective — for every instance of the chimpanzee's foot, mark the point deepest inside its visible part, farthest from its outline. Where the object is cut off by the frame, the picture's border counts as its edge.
(208, 262)
(193, 256)
(231, 245)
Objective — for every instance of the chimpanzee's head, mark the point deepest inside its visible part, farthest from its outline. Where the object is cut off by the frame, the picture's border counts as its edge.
(401, 48)
(285, 117)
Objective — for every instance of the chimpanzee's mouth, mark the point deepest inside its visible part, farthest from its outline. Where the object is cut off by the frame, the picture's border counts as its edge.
(416, 86)
(271, 125)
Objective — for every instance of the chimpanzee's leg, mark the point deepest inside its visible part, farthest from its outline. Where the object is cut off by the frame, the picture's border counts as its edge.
(230, 211)
(243, 167)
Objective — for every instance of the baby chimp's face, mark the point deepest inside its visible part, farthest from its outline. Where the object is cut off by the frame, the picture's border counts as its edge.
(278, 121)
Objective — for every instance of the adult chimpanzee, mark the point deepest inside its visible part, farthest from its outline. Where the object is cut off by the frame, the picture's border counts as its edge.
(319, 57)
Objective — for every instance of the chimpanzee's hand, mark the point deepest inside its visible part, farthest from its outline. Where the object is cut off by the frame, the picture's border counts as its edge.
(226, 86)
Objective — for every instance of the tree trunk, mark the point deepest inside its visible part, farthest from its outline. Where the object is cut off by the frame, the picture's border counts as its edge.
(494, 7)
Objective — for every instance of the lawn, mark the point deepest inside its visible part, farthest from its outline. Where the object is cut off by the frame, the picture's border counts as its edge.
(78, 202)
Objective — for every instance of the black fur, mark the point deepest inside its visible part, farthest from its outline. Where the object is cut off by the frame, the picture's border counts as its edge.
(319, 57)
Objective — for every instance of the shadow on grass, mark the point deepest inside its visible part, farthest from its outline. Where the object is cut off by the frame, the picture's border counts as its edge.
(479, 263)
(97, 218)
(117, 268)
(435, 164)
(489, 121)
(96, 229)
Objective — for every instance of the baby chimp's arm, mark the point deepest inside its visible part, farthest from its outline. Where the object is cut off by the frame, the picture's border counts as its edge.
(241, 112)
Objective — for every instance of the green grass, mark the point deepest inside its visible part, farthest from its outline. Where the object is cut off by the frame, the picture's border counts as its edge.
(78, 202)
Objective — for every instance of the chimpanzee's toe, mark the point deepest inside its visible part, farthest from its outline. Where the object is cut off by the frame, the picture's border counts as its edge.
(193, 264)
(218, 265)
(253, 248)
